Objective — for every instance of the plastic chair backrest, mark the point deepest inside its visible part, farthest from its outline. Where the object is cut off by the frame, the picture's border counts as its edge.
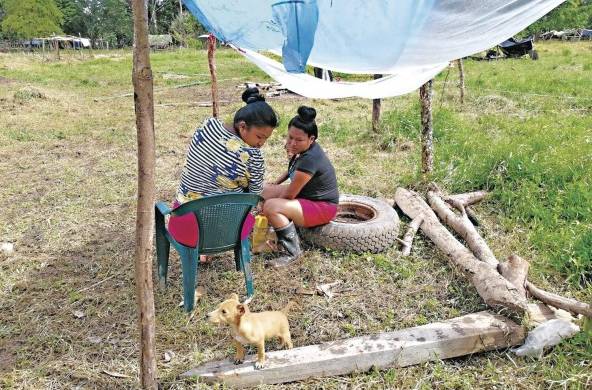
(220, 219)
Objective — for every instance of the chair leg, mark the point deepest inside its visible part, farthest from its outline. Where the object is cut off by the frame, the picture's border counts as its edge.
(163, 247)
(189, 264)
(237, 258)
(245, 260)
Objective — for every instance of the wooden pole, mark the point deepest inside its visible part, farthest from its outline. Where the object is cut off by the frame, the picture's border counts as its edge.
(144, 107)
(212, 66)
(376, 109)
(461, 70)
(427, 133)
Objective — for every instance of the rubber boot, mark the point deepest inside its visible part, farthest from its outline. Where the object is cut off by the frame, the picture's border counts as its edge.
(288, 238)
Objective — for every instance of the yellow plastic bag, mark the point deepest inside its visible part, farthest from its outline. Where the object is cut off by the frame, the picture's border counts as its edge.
(263, 238)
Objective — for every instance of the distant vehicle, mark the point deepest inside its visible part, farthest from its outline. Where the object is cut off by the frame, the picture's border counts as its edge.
(513, 48)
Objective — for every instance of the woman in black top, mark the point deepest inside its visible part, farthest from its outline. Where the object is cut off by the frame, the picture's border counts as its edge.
(312, 196)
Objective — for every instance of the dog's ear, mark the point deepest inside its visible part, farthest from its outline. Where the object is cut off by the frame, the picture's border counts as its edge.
(240, 308)
(233, 296)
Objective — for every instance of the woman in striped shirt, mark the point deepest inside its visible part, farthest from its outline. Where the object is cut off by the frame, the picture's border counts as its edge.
(224, 159)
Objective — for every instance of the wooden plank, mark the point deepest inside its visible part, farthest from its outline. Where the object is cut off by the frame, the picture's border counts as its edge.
(460, 336)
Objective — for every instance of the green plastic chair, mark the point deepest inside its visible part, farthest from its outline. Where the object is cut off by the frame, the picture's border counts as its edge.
(220, 220)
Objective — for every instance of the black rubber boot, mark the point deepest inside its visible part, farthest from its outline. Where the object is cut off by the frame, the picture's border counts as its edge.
(288, 238)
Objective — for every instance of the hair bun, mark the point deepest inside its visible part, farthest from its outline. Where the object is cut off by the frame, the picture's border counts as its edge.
(252, 95)
(307, 114)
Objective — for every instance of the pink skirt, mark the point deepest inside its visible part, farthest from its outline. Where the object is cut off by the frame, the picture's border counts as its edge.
(184, 228)
(317, 213)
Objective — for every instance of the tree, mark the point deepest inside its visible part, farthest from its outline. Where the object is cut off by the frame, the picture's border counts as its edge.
(31, 18)
(109, 20)
(161, 14)
(74, 17)
(184, 29)
(570, 15)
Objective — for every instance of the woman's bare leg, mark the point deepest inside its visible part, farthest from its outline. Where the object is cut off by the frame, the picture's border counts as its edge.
(280, 212)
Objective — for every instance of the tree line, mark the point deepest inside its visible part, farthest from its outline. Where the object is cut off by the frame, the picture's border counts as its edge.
(106, 20)
(111, 20)
(573, 14)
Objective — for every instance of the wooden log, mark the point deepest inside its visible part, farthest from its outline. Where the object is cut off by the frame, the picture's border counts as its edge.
(463, 226)
(212, 66)
(466, 199)
(515, 276)
(427, 132)
(472, 216)
(569, 304)
(539, 312)
(376, 109)
(492, 287)
(460, 336)
(407, 240)
(515, 270)
(144, 107)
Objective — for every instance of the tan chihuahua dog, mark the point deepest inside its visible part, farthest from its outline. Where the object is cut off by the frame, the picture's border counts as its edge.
(252, 328)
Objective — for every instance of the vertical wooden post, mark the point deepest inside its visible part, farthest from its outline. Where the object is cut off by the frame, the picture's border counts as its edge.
(461, 70)
(144, 107)
(376, 109)
(212, 66)
(427, 146)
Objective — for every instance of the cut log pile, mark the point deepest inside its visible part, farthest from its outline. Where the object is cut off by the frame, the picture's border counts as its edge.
(501, 285)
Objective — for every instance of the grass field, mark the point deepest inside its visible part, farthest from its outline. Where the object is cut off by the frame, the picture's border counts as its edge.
(68, 189)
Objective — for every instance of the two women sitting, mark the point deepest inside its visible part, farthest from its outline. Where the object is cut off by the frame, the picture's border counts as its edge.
(224, 158)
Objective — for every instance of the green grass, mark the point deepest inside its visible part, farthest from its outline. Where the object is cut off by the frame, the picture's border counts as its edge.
(68, 185)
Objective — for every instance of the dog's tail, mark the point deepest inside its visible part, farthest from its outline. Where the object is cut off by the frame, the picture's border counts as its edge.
(287, 308)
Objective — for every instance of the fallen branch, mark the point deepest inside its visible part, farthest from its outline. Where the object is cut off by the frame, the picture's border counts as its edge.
(467, 199)
(472, 216)
(463, 226)
(515, 270)
(569, 304)
(495, 290)
(539, 312)
(407, 240)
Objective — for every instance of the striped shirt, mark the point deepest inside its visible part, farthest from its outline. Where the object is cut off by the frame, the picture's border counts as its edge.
(218, 161)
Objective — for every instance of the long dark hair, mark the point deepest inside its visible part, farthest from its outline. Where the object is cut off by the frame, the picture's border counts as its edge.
(257, 112)
(305, 121)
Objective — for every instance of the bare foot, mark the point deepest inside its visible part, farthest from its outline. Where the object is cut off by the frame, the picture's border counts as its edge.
(204, 259)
